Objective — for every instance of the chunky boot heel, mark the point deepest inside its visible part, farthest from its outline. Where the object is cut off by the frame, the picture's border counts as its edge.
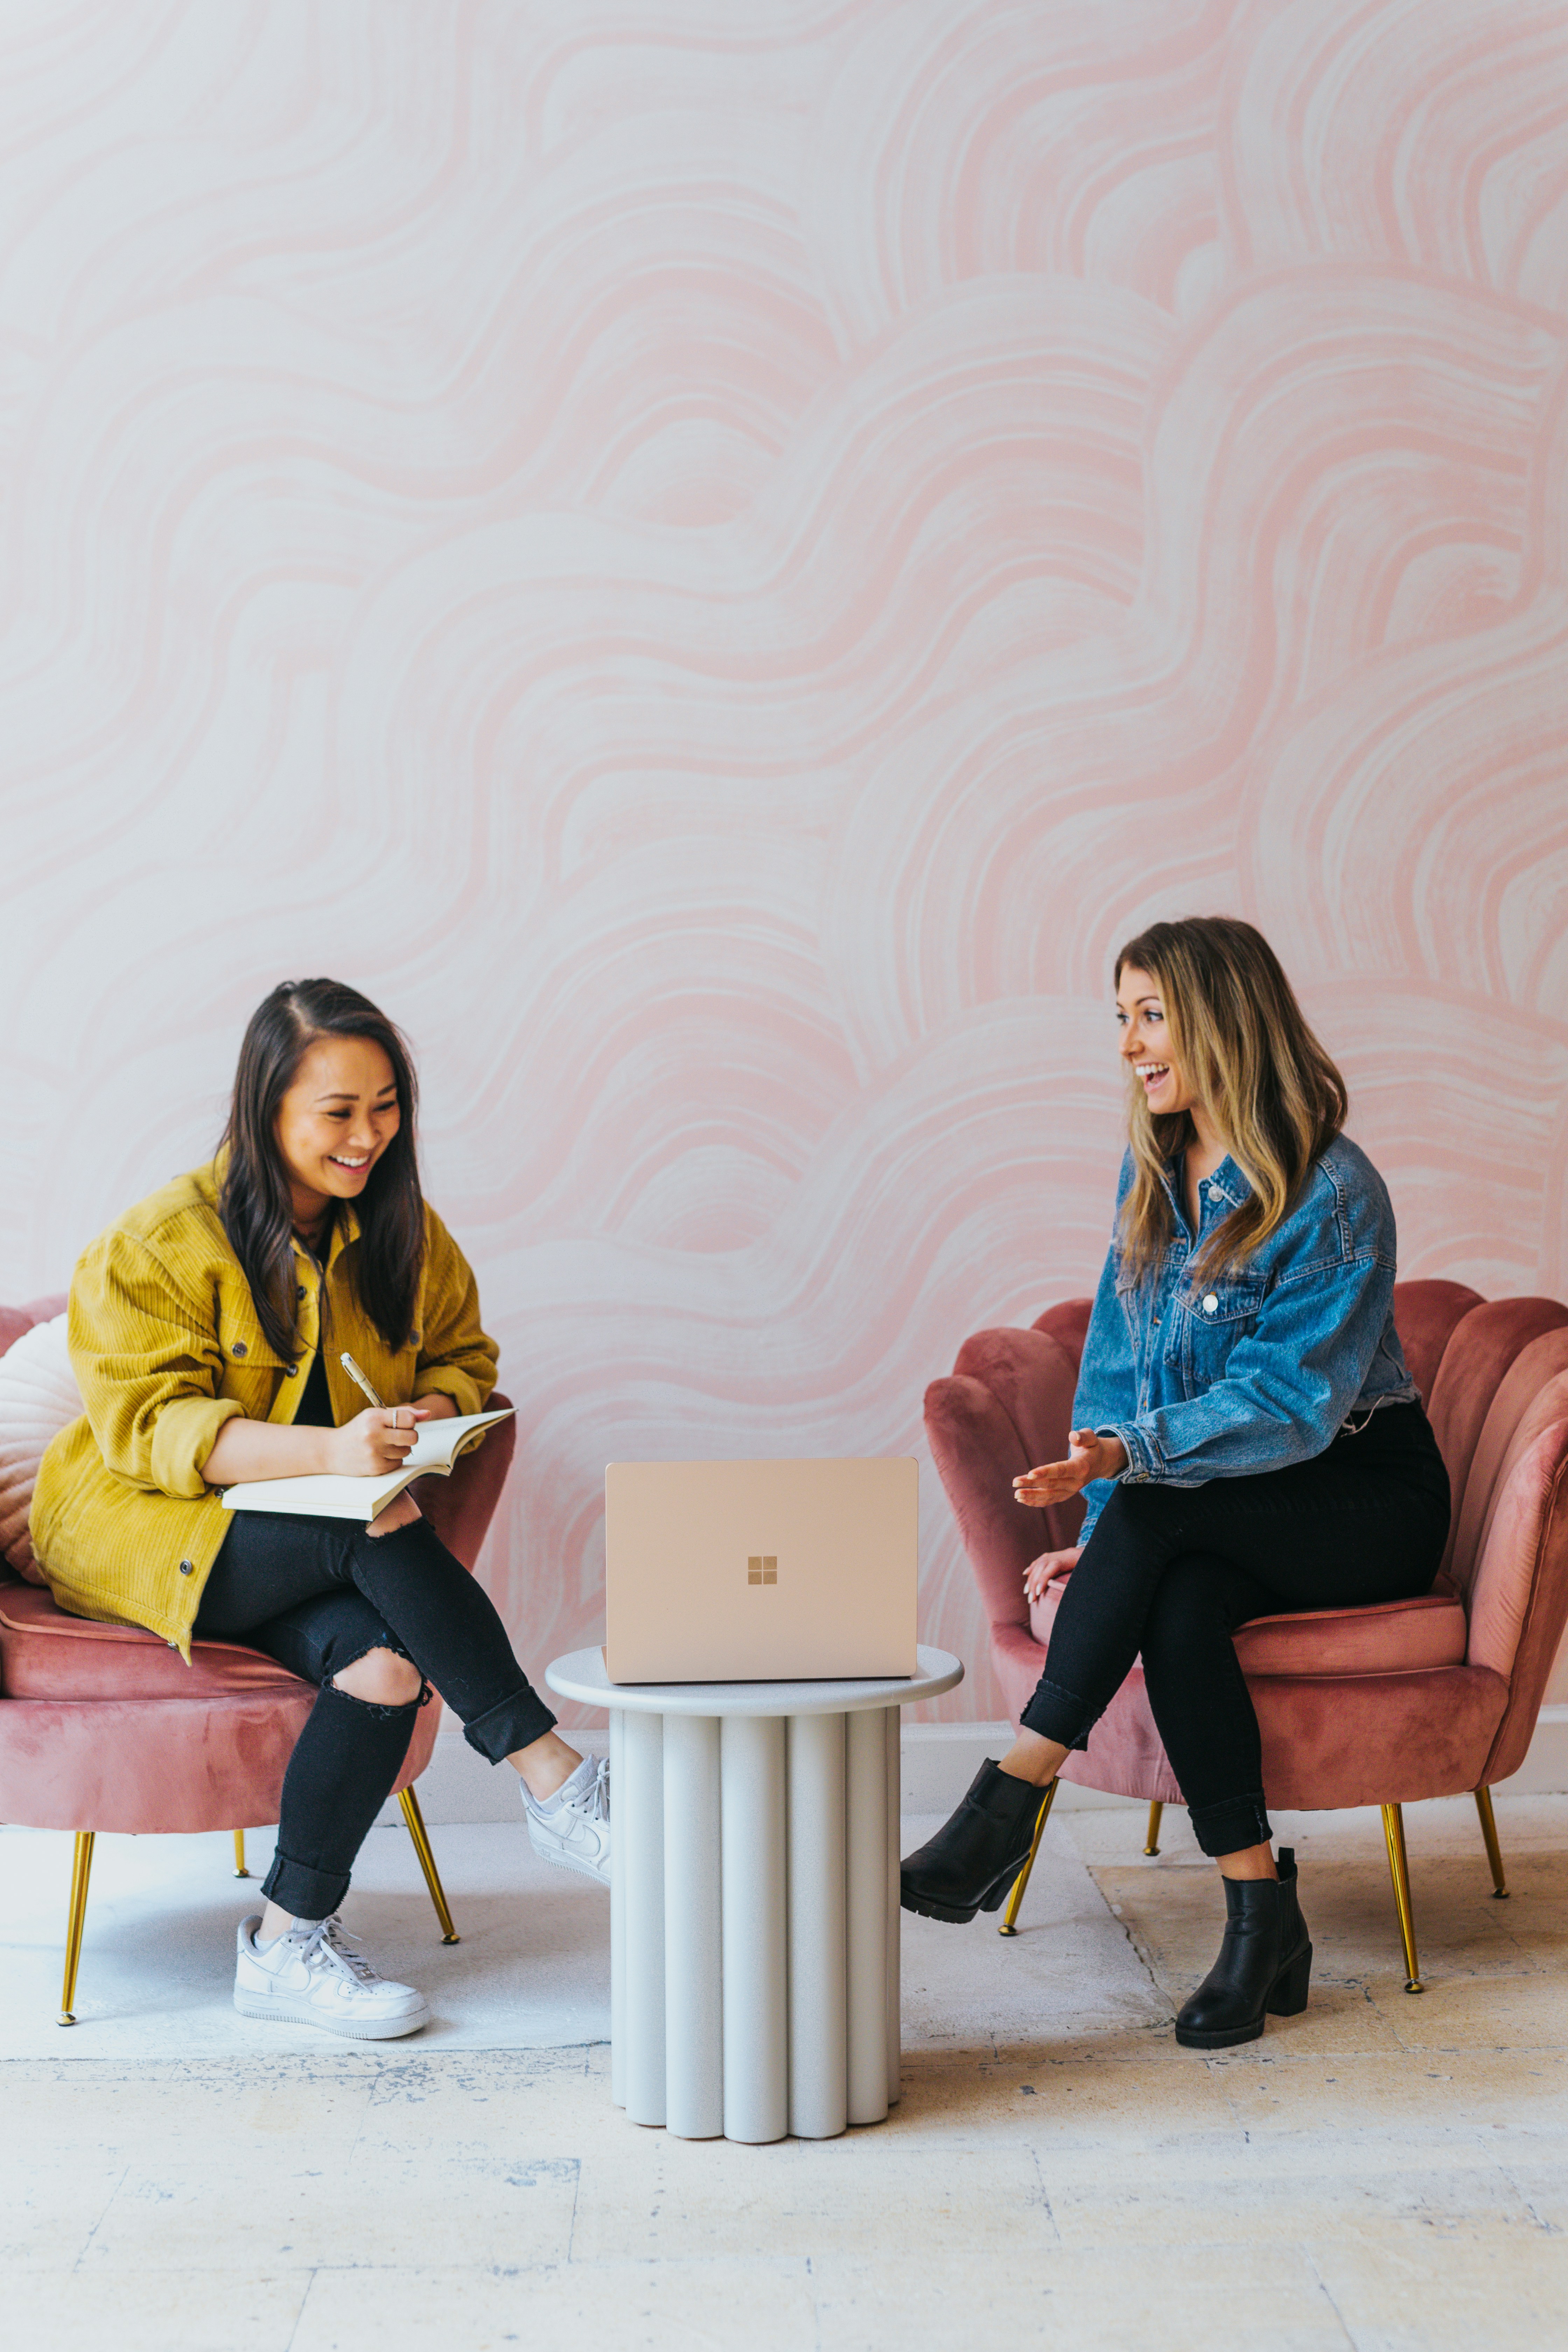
(972, 1862)
(1288, 1998)
(1263, 1964)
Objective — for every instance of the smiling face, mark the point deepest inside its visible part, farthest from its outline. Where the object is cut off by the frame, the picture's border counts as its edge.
(335, 1121)
(1146, 1048)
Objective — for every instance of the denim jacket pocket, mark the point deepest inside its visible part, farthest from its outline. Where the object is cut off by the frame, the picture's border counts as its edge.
(1207, 1323)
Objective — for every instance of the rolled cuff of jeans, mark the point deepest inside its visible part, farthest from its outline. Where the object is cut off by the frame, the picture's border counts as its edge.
(305, 1893)
(1060, 1714)
(512, 1723)
(1232, 1825)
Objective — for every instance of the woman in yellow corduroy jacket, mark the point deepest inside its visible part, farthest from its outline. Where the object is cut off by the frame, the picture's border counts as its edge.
(208, 1327)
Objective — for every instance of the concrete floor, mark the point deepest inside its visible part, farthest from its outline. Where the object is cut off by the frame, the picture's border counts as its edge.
(1384, 2172)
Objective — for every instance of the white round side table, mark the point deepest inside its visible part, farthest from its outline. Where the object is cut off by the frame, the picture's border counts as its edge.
(754, 1897)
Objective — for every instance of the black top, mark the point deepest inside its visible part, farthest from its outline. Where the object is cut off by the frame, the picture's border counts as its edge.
(316, 1405)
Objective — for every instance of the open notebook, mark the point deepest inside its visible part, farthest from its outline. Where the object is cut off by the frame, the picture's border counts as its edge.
(328, 1497)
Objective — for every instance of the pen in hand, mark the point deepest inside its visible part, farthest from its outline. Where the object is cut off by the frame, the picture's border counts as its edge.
(399, 1428)
(359, 1379)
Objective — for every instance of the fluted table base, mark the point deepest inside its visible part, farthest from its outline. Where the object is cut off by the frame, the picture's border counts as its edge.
(754, 1922)
(754, 1897)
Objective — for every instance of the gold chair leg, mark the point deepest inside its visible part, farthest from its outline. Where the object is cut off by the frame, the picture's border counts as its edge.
(1494, 1850)
(421, 1837)
(1008, 1926)
(240, 1869)
(81, 1871)
(1399, 1871)
(1155, 1810)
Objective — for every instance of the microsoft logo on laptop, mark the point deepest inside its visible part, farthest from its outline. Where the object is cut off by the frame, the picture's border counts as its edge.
(763, 1568)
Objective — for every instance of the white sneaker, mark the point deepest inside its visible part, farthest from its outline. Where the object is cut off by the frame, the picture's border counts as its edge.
(311, 1977)
(573, 1827)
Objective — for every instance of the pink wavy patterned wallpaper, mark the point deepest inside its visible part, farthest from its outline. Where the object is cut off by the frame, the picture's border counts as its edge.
(717, 557)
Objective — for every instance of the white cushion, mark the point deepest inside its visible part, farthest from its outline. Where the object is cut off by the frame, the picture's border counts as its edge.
(38, 1397)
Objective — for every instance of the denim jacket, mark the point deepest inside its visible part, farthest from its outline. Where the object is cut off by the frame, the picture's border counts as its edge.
(1265, 1364)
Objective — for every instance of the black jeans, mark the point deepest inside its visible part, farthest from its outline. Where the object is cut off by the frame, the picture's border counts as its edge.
(1172, 1571)
(316, 1594)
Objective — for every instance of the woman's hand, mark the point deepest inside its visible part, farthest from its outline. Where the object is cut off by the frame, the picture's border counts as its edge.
(1046, 1570)
(376, 1440)
(1088, 1457)
(436, 1406)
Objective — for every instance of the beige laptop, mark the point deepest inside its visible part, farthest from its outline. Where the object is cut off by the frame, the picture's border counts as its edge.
(759, 1571)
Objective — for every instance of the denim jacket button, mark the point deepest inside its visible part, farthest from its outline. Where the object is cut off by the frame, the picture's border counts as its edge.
(1211, 1304)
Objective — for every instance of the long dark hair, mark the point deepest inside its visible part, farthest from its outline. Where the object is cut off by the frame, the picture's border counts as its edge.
(256, 1203)
(1248, 1053)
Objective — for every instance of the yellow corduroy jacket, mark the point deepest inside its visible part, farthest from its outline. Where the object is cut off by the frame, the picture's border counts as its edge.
(167, 1346)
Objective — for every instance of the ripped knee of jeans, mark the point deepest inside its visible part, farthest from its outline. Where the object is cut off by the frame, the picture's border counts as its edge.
(383, 1710)
(379, 1707)
(385, 1527)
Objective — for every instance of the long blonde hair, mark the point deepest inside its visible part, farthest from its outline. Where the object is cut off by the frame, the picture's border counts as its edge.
(1243, 1045)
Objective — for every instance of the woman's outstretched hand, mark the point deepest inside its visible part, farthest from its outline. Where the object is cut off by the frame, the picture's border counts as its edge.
(374, 1440)
(1088, 1457)
(1046, 1569)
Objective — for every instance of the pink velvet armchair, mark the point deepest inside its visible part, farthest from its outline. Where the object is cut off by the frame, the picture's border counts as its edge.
(105, 1727)
(1378, 1705)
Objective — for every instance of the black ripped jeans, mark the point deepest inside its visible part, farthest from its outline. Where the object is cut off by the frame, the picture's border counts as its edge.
(1172, 1571)
(316, 1594)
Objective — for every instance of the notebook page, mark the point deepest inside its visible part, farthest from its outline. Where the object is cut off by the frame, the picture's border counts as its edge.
(436, 1445)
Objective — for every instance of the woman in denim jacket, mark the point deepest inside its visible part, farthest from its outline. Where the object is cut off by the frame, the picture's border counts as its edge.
(1250, 1441)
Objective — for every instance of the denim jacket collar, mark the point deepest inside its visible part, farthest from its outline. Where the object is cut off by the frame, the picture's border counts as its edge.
(1227, 1181)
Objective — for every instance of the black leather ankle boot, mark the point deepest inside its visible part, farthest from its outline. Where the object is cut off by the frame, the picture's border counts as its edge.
(972, 1862)
(1263, 1966)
